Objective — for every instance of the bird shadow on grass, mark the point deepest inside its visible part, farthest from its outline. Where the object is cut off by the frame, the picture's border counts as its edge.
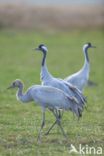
(92, 83)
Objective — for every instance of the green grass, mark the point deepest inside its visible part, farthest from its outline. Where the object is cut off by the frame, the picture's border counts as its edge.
(19, 123)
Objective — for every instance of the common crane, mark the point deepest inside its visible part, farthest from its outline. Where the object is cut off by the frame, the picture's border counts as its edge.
(80, 78)
(47, 97)
(48, 80)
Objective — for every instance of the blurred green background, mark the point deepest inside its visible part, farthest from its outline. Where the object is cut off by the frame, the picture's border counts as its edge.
(64, 29)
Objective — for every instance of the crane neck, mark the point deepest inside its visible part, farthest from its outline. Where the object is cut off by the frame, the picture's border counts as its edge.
(20, 92)
(85, 50)
(45, 75)
(44, 58)
(86, 66)
(23, 97)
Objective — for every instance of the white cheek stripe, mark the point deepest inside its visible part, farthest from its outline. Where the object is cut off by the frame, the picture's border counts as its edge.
(44, 48)
(85, 46)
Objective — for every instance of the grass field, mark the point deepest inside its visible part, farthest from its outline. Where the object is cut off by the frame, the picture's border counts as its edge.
(19, 123)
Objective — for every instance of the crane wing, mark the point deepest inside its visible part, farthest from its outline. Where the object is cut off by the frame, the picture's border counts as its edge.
(74, 107)
(78, 94)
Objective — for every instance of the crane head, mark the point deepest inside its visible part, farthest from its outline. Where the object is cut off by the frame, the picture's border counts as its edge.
(42, 48)
(88, 45)
(14, 84)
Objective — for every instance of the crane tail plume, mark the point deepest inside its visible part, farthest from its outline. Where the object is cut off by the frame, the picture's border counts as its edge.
(74, 107)
(78, 94)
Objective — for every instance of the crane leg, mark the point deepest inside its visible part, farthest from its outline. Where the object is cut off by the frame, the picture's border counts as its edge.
(42, 125)
(62, 130)
(51, 128)
(58, 116)
(59, 124)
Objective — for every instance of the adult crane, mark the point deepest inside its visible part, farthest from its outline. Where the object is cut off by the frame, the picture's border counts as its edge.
(80, 78)
(48, 80)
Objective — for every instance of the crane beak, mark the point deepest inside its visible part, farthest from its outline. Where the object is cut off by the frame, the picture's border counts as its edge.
(93, 46)
(37, 49)
(33, 48)
(11, 86)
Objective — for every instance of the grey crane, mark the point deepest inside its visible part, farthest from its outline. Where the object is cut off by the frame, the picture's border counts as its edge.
(48, 80)
(80, 78)
(47, 97)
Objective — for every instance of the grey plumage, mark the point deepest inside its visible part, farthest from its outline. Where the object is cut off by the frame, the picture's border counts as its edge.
(43, 95)
(80, 78)
(48, 80)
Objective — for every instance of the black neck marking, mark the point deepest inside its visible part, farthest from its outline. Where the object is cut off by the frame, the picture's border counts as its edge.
(44, 57)
(86, 53)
